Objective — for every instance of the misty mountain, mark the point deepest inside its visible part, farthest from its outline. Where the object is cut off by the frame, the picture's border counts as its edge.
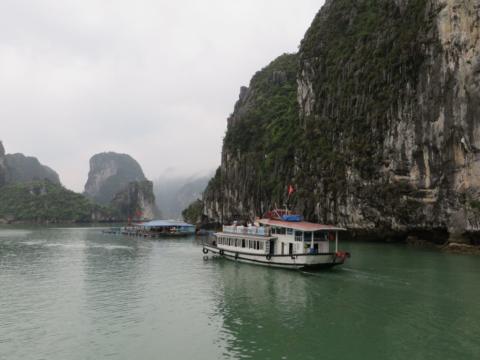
(174, 193)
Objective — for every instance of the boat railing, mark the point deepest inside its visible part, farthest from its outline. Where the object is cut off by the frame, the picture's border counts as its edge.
(248, 230)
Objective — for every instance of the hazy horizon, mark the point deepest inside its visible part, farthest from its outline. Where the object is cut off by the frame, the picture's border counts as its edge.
(156, 80)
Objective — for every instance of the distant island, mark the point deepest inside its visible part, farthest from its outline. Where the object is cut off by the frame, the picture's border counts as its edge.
(116, 190)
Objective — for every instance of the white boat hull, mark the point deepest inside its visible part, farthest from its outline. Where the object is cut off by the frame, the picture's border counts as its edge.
(294, 261)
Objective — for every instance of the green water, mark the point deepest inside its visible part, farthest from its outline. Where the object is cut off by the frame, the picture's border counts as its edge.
(78, 294)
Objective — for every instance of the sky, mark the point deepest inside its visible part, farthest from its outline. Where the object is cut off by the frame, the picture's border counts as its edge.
(151, 78)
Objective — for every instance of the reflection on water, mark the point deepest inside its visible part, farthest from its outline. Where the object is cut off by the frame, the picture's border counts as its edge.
(78, 294)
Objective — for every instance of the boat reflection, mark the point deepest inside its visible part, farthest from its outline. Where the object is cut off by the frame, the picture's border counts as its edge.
(260, 306)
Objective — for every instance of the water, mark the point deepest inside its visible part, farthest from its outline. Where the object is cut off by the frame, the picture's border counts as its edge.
(78, 294)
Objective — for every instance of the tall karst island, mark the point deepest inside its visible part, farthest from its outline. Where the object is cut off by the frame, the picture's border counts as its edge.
(375, 122)
(118, 181)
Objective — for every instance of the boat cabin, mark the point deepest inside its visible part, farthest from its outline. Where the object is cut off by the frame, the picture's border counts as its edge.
(280, 237)
(302, 237)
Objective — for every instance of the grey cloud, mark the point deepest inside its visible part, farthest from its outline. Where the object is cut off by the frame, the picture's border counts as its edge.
(155, 79)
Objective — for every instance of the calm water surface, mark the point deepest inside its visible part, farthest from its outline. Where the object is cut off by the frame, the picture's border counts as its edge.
(78, 294)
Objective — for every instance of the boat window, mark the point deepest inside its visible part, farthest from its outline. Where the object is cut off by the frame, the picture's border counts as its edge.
(289, 231)
(243, 243)
(298, 236)
(281, 231)
(273, 230)
(307, 236)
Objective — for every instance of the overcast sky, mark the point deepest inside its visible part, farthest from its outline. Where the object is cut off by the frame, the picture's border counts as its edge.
(152, 78)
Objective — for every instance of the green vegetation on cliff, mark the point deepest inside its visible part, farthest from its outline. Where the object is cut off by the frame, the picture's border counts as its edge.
(44, 201)
(263, 133)
(193, 213)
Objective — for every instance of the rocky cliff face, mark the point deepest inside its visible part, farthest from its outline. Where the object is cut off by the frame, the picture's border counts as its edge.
(16, 168)
(21, 168)
(117, 180)
(387, 134)
(258, 156)
(110, 173)
(136, 200)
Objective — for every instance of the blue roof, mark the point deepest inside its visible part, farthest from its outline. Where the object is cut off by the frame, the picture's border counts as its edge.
(160, 223)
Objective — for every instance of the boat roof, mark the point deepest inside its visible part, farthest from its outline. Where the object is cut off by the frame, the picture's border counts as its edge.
(163, 223)
(300, 225)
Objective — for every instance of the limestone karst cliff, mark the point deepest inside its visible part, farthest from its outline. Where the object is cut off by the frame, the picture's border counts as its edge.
(109, 173)
(385, 138)
(16, 168)
(118, 180)
(136, 200)
(23, 168)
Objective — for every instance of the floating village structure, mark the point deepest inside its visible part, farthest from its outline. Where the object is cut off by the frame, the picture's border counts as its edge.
(155, 229)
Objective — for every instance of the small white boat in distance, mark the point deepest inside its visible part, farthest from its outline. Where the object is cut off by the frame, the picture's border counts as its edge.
(280, 240)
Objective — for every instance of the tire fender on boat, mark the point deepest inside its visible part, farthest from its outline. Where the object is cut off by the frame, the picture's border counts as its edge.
(236, 255)
(269, 257)
(221, 252)
(205, 251)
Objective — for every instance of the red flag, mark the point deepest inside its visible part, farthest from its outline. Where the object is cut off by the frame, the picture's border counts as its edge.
(291, 190)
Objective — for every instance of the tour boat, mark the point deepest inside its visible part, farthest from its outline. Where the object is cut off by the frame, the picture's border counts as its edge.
(280, 239)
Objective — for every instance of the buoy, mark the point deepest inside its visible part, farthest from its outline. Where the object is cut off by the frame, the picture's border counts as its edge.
(205, 251)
